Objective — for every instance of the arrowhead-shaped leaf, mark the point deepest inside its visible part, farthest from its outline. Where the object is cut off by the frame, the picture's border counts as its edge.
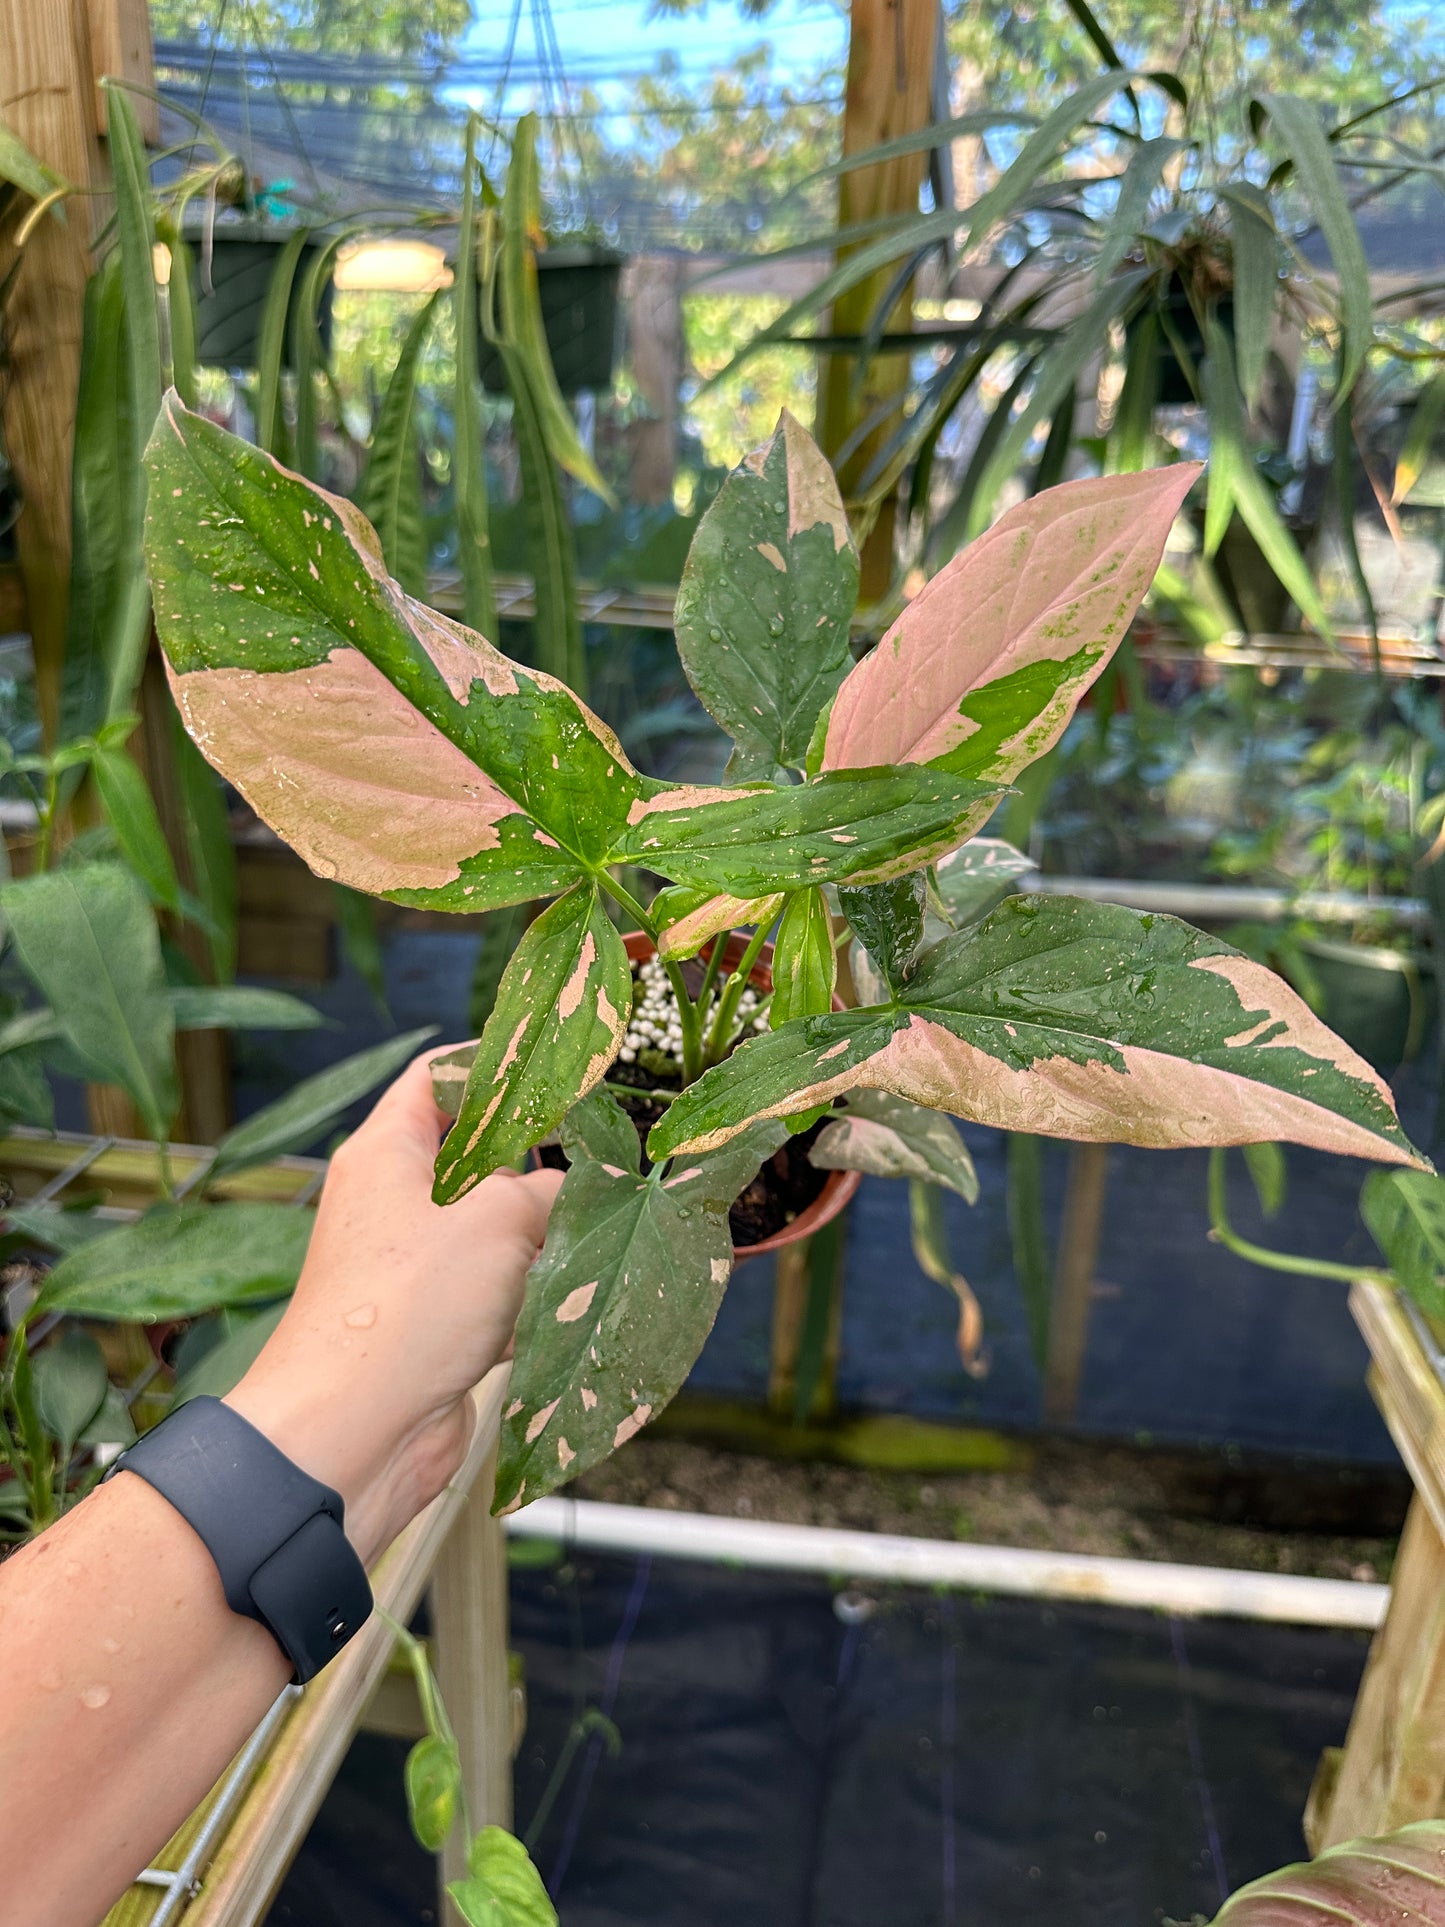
(1364, 1883)
(689, 918)
(599, 1128)
(887, 919)
(1405, 1212)
(985, 666)
(867, 824)
(181, 1259)
(558, 1022)
(393, 749)
(970, 881)
(617, 1308)
(1071, 1019)
(889, 1137)
(765, 601)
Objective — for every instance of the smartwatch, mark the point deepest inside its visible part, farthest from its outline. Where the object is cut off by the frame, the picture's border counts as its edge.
(277, 1535)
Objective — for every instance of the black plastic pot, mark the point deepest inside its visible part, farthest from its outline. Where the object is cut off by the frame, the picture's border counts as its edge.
(1381, 1001)
(1174, 390)
(578, 289)
(228, 319)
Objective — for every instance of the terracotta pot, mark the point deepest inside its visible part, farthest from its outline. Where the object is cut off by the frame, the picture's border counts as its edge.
(839, 1186)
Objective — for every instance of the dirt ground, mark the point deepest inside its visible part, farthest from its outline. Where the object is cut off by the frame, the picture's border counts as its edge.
(1073, 1497)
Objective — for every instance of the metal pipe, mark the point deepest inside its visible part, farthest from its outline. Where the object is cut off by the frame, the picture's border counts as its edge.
(1150, 1585)
(1223, 902)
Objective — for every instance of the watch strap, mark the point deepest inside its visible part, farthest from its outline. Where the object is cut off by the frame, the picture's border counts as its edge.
(277, 1535)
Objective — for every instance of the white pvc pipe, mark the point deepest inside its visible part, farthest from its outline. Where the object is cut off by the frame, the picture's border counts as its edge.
(1228, 901)
(767, 1546)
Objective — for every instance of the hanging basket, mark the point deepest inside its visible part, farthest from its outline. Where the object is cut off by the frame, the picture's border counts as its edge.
(578, 288)
(228, 319)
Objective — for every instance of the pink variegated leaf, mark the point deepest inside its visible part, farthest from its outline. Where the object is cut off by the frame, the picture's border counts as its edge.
(985, 666)
(1066, 1018)
(1363, 1883)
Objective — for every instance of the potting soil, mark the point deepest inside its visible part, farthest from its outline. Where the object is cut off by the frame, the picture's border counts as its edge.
(744, 1747)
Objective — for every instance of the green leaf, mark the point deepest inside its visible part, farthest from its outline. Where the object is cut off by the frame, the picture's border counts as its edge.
(766, 597)
(308, 356)
(561, 1012)
(474, 548)
(1132, 442)
(805, 964)
(1032, 1269)
(208, 845)
(433, 1790)
(55, 1227)
(1364, 1883)
(688, 918)
(394, 750)
(111, 1424)
(1255, 240)
(503, 1888)
(1405, 1214)
(181, 1259)
(969, 882)
(1297, 123)
(888, 1137)
(929, 1235)
(271, 344)
(551, 549)
(1267, 1169)
(360, 939)
(240, 1007)
(597, 1127)
(70, 1385)
(1235, 482)
(126, 798)
(1073, 1019)
(1419, 441)
(887, 919)
(1131, 211)
(181, 312)
(315, 1104)
(88, 941)
(25, 1095)
(390, 493)
(221, 1369)
(136, 238)
(26, 171)
(617, 1308)
(521, 305)
(501, 932)
(863, 823)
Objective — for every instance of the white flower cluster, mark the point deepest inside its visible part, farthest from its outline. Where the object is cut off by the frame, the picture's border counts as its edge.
(656, 1023)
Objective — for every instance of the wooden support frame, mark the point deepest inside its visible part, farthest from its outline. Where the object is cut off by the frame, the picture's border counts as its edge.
(1080, 1232)
(1391, 1769)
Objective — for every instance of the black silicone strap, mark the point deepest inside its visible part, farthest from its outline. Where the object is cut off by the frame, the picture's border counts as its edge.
(277, 1535)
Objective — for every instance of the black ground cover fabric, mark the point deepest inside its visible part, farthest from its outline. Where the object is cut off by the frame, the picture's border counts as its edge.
(786, 1757)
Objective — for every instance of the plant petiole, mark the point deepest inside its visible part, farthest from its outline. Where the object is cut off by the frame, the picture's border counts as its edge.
(737, 982)
(1222, 1232)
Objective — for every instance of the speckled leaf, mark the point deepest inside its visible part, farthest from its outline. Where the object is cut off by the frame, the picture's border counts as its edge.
(868, 824)
(617, 1308)
(765, 600)
(969, 882)
(887, 919)
(889, 1137)
(1072, 1019)
(689, 918)
(1364, 1883)
(985, 666)
(805, 964)
(181, 1259)
(392, 748)
(599, 1128)
(1405, 1213)
(559, 1018)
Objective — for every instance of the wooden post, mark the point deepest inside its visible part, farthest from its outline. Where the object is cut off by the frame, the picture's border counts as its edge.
(48, 98)
(121, 47)
(469, 1626)
(892, 57)
(652, 290)
(1079, 1234)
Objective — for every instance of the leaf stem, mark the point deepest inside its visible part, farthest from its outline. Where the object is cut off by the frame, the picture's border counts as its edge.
(629, 903)
(721, 1034)
(635, 1090)
(1223, 1233)
(47, 819)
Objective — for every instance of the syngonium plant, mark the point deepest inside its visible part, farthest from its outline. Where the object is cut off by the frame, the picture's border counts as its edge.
(406, 756)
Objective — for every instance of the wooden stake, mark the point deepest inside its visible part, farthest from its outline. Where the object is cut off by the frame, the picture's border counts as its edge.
(651, 289)
(48, 98)
(1079, 1235)
(892, 56)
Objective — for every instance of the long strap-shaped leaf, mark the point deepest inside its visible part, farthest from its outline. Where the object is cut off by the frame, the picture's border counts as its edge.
(271, 347)
(469, 485)
(1364, 1883)
(550, 547)
(390, 494)
(1071, 1019)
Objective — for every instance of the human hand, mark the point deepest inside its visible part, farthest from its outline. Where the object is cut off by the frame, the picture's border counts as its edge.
(402, 1306)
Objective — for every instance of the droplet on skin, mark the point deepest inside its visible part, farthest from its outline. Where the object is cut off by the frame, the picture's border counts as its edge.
(110, 1645)
(48, 1681)
(95, 1696)
(360, 1317)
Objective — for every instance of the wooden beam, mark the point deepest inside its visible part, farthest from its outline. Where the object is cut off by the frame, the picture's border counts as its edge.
(48, 98)
(1079, 1234)
(652, 291)
(121, 48)
(892, 58)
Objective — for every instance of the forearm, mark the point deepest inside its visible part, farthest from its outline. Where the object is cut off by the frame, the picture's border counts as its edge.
(129, 1684)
